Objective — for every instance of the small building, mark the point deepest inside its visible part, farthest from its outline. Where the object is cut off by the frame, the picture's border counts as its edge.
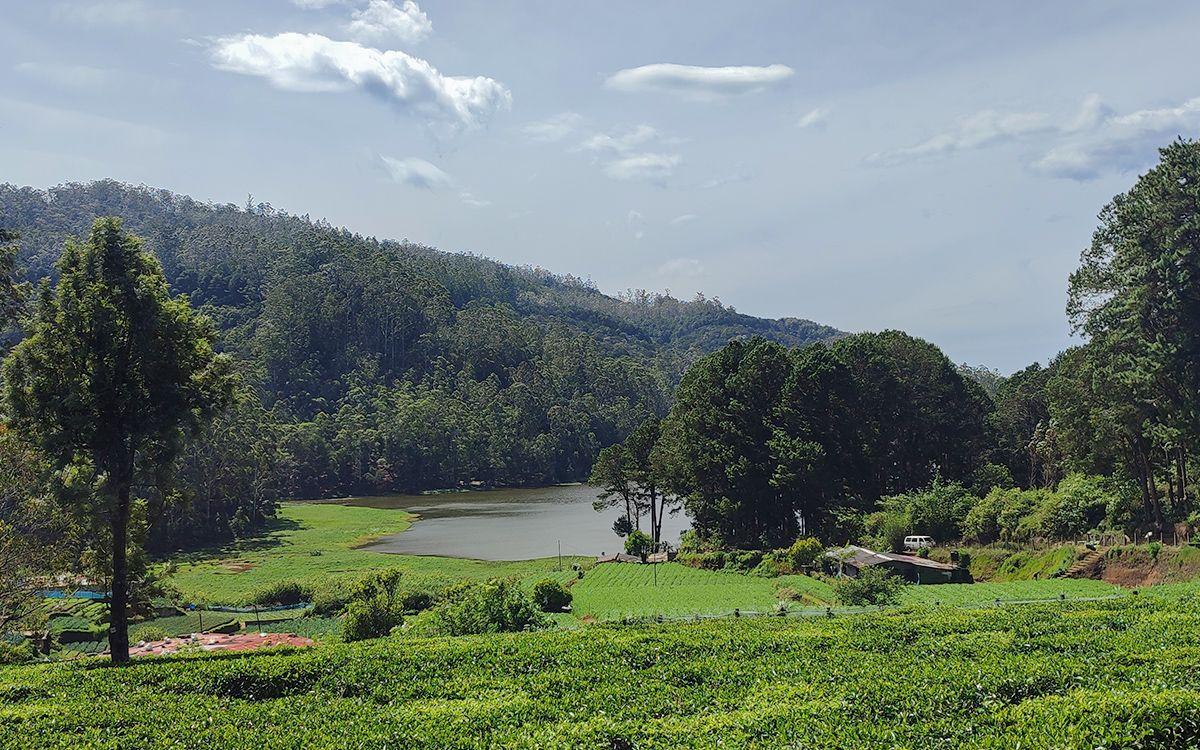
(852, 559)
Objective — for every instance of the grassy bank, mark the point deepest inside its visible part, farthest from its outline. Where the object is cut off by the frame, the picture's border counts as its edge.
(1111, 674)
(317, 544)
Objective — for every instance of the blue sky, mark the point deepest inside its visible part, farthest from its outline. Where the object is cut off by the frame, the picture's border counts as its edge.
(929, 166)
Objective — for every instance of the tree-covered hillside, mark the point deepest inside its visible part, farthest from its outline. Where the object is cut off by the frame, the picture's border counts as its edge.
(376, 366)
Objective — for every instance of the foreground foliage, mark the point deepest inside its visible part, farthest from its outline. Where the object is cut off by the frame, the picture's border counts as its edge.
(1112, 674)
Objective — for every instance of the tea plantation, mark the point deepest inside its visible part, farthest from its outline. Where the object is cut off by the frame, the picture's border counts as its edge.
(1108, 674)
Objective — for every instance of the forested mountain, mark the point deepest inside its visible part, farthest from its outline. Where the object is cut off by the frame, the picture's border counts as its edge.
(375, 366)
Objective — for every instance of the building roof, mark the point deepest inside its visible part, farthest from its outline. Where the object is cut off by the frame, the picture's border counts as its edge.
(861, 557)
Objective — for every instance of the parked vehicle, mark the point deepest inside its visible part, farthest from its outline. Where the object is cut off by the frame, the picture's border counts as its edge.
(918, 542)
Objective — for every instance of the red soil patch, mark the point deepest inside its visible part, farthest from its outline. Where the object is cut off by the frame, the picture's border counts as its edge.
(219, 642)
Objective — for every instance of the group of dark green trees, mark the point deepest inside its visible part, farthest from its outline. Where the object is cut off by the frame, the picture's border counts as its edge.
(837, 439)
(375, 367)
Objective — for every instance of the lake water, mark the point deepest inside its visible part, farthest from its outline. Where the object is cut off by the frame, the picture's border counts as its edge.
(511, 524)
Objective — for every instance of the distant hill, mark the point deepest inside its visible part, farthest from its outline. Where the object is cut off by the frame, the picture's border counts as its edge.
(379, 365)
(229, 257)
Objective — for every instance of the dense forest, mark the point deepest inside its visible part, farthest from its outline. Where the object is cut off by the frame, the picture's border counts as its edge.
(372, 366)
(875, 436)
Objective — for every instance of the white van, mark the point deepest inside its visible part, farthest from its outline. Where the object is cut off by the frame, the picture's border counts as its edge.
(917, 542)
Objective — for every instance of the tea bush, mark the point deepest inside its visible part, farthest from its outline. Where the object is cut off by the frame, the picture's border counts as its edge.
(1114, 674)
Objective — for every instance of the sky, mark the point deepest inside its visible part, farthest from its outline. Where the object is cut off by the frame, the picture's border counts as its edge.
(935, 167)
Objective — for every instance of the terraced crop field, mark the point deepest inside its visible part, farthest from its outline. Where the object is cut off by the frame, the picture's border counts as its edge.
(1111, 674)
(613, 591)
(981, 594)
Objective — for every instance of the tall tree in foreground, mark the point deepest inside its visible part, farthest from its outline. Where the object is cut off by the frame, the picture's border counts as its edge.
(1136, 297)
(114, 373)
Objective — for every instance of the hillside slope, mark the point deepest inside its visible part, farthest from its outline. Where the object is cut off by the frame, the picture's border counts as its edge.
(380, 366)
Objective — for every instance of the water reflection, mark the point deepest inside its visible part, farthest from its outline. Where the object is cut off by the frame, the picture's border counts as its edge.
(511, 524)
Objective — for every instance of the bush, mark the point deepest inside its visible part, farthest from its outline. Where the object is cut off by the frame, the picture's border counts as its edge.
(551, 596)
(151, 633)
(804, 553)
(17, 653)
(497, 606)
(376, 606)
(874, 585)
(281, 593)
(638, 544)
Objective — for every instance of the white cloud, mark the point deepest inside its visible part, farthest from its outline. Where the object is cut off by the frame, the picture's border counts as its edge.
(471, 200)
(553, 129)
(648, 167)
(383, 21)
(416, 172)
(698, 82)
(683, 219)
(814, 118)
(970, 132)
(1120, 143)
(622, 143)
(314, 63)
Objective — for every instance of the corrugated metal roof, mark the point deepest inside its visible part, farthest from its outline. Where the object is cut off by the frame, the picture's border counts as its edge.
(861, 557)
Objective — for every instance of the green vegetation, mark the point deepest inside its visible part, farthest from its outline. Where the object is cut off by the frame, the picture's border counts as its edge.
(980, 594)
(614, 591)
(315, 545)
(380, 366)
(1106, 674)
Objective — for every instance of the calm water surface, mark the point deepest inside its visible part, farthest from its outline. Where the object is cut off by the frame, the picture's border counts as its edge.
(516, 524)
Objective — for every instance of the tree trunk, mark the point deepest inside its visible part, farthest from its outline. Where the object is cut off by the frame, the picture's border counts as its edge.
(654, 522)
(118, 625)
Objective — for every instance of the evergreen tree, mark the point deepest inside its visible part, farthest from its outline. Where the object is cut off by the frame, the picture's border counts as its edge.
(113, 375)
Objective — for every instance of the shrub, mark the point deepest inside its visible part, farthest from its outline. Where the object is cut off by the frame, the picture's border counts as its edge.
(874, 585)
(551, 596)
(376, 606)
(281, 593)
(151, 633)
(804, 553)
(17, 653)
(788, 593)
(497, 606)
(638, 543)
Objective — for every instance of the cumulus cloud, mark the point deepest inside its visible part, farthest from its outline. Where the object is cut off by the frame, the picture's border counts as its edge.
(315, 63)
(384, 21)
(648, 167)
(630, 154)
(553, 129)
(417, 173)
(1120, 143)
(814, 118)
(698, 82)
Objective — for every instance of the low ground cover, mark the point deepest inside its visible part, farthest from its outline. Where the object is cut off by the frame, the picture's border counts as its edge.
(317, 545)
(1088, 674)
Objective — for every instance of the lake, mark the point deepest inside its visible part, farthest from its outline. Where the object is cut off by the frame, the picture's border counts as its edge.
(509, 524)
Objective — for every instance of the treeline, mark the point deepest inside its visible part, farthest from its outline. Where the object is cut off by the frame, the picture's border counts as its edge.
(875, 436)
(371, 367)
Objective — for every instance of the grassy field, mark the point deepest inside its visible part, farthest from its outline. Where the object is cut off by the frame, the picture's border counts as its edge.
(614, 591)
(316, 544)
(1107, 674)
(981, 594)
